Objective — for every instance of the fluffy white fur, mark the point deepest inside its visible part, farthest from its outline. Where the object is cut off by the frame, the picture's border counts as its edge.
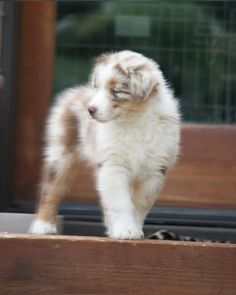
(43, 227)
(128, 130)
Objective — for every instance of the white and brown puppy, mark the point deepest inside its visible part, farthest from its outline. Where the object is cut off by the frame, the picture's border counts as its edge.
(126, 124)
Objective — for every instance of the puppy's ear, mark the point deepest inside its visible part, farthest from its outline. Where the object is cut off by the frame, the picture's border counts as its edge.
(143, 81)
(103, 58)
(92, 78)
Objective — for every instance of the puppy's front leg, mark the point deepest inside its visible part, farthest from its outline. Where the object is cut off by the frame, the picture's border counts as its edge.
(119, 212)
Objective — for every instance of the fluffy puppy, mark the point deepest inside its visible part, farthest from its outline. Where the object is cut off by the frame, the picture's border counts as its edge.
(126, 124)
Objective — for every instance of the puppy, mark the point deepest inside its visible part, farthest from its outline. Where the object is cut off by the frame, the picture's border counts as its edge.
(126, 124)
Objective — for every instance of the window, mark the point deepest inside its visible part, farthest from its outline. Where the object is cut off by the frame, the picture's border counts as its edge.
(193, 41)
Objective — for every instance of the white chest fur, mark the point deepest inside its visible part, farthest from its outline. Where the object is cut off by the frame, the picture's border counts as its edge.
(144, 143)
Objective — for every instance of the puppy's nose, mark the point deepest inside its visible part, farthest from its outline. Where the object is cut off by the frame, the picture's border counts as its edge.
(92, 111)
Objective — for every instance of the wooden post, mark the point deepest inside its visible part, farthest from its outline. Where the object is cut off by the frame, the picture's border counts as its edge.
(36, 35)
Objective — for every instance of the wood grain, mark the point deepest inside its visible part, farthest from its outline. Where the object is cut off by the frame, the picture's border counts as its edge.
(205, 175)
(77, 265)
(36, 31)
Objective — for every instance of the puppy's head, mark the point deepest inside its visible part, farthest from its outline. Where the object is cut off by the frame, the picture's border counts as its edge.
(123, 83)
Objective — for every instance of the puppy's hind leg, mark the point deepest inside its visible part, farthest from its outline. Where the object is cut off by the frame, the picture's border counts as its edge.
(55, 185)
(60, 162)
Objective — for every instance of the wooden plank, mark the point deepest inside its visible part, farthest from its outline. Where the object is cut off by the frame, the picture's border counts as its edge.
(78, 265)
(203, 177)
(206, 171)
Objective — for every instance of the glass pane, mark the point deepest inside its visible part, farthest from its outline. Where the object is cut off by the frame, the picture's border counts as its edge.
(193, 41)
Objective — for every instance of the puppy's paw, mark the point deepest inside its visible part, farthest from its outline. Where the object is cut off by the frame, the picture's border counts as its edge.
(126, 232)
(40, 227)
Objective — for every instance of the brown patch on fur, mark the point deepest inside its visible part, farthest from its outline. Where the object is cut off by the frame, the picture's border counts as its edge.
(133, 107)
(56, 183)
(140, 203)
(132, 71)
(70, 130)
(137, 184)
(115, 105)
(111, 83)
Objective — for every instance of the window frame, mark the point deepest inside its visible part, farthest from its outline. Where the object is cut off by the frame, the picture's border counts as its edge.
(7, 94)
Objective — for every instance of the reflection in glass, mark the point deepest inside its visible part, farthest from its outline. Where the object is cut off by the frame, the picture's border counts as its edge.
(193, 41)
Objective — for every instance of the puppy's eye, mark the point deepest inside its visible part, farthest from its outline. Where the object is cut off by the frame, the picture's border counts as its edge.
(120, 94)
(120, 91)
